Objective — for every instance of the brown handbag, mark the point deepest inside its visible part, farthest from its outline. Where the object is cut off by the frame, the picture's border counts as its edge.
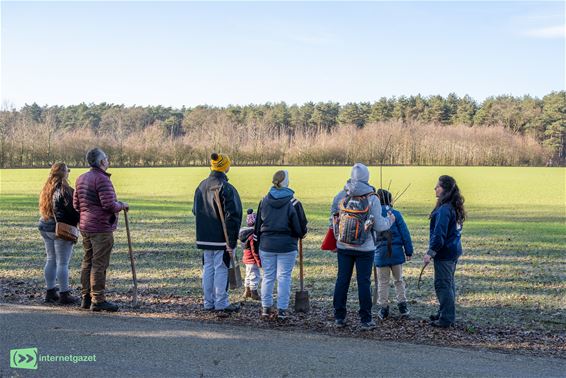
(65, 231)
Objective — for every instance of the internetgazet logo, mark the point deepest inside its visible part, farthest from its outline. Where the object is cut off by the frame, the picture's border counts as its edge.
(23, 358)
(28, 358)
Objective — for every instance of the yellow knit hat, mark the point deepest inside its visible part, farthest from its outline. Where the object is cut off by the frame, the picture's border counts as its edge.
(219, 162)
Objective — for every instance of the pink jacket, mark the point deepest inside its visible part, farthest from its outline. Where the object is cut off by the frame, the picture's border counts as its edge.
(95, 200)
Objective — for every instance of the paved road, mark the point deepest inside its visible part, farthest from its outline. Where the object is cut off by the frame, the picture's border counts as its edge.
(134, 346)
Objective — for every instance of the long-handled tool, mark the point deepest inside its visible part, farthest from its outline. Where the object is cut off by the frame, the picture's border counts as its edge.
(374, 284)
(421, 276)
(302, 303)
(234, 273)
(131, 253)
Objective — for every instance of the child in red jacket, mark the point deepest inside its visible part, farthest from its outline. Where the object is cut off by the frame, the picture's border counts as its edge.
(251, 258)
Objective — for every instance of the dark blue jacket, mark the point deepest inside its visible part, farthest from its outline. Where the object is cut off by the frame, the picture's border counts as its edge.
(210, 234)
(445, 234)
(280, 222)
(401, 241)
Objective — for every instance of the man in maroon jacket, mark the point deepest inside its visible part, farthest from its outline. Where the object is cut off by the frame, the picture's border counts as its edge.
(95, 200)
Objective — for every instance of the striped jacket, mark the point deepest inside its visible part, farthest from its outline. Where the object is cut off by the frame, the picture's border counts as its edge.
(95, 200)
(210, 234)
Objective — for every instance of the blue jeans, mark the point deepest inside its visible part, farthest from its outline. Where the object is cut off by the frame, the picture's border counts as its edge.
(56, 268)
(215, 279)
(445, 287)
(364, 264)
(278, 265)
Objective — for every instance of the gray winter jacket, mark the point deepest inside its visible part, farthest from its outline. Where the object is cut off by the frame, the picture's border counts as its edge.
(360, 188)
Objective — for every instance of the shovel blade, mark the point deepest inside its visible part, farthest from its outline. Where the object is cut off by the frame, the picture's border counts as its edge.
(302, 303)
(235, 277)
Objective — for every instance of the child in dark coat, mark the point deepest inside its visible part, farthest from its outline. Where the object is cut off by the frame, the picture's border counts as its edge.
(251, 258)
(394, 247)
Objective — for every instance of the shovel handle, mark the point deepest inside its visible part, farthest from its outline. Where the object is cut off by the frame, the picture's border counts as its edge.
(301, 264)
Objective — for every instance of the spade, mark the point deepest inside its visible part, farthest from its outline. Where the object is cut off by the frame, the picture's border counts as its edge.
(301, 297)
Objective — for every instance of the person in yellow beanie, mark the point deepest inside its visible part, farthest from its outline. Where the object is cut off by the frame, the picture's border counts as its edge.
(220, 162)
(210, 235)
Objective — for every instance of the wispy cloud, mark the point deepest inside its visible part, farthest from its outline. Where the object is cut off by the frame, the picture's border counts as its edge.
(558, 31)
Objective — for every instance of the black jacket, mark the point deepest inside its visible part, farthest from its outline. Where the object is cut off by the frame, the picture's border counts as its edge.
(280, 223)
(209, 227)
(63, 207)
(63, 210)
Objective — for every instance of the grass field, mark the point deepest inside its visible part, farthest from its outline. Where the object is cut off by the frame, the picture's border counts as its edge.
(513, 272)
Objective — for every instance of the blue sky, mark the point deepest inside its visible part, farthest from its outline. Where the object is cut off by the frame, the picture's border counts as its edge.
(189, 53)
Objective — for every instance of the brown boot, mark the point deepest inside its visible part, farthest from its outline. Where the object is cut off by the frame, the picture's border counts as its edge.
(255, 295)
(66, 298)
(247, 292)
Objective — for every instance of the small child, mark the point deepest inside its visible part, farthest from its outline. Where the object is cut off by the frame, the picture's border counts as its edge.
(392, 247)
(251, 258)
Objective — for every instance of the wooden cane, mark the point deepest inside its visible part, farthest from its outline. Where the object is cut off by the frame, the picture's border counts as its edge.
(131, 253)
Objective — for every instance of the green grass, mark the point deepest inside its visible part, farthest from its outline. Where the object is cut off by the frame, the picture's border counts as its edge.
(513, 271)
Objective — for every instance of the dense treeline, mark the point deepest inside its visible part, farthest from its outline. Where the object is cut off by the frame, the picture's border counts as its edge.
(502, 130)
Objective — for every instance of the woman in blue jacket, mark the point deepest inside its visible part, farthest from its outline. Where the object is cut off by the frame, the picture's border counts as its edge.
(445, 247)
(392, 247)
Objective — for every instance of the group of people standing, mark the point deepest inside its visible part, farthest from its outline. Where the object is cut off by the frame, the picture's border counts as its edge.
(368, 232)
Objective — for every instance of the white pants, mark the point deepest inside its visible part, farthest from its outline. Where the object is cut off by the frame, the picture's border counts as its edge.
(253, 276)
(215, 280)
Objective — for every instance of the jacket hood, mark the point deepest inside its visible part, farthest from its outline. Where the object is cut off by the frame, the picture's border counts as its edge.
(358, 188)
(279, 197)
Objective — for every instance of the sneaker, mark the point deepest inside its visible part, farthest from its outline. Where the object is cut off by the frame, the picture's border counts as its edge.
(206, 309)
(86, 301)
(104, 306)
(265, 312)
(230, 309)
(438, 324)
(383, 313)
(255, 295)
(340, 323)
(403, 309)
(51, 295)
(282, 314)
(367, 326)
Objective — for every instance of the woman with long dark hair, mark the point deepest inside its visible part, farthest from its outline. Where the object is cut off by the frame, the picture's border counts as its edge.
(56, 205)
(445, 247)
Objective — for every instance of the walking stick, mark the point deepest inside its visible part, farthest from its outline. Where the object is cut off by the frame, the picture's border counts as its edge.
(131, 253)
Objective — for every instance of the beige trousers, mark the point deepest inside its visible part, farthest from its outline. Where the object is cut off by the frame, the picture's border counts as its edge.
(383, 284)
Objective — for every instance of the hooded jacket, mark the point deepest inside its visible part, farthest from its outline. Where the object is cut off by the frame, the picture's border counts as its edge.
(401, 243)
(361, 188)
(210, 234)
(280, 223)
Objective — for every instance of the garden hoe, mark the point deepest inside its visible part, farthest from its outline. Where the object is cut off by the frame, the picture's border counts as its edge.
(301, 297)
(131, 253)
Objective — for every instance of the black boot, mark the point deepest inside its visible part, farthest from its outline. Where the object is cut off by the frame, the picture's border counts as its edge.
(66, 298)
(86, 301)
(51, 295)
(104, 306)
(255, 295)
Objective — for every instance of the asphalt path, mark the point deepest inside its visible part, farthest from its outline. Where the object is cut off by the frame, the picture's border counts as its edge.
(136, 346)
